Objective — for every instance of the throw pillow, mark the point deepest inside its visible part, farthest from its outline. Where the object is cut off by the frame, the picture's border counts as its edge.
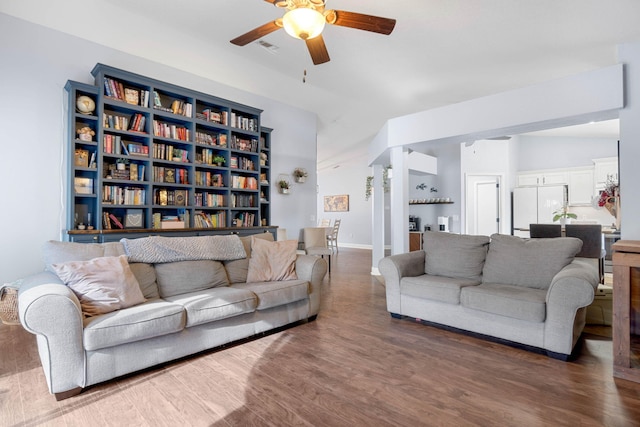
(103, 284)
(528, 262)
(272, 261)
(237, 269)
(455, 255)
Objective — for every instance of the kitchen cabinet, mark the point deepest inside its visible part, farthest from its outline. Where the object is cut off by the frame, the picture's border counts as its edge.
(581, 188)
(542, 178)
(605, 170)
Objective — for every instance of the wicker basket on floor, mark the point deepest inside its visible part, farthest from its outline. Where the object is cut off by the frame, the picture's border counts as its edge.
(9, 305)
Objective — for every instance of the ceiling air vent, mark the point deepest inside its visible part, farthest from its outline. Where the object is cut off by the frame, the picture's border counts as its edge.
(271, 48)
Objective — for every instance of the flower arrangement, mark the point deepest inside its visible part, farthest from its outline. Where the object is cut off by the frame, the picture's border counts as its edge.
(608, 198)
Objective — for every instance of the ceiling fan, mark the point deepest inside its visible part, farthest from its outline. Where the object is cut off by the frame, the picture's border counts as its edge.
(305, 19)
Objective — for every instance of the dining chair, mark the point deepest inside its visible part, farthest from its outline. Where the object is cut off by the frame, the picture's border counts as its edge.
(315, 243)
(332, 238)
(592, 243)
(324, 222)
(537, 231)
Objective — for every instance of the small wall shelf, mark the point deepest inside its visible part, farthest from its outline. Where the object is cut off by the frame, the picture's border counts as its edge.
(431, 203)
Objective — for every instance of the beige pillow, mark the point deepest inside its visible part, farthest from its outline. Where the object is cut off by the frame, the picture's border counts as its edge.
(272, 261)
(103, 284)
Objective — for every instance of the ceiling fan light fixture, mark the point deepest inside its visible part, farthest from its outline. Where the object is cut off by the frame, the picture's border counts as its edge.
(303, 23)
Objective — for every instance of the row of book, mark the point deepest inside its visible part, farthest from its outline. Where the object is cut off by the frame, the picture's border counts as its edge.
(166, 197)
(210, 200)
(211, 138)
(114, 144)
(134, 172)
(243, 144)
(216, 116)
(135, 123)
(165, 221)
(117, 90)
(170, 175)
(110, 221)
(208, 179)
(244, 123)
(170, 130)
(209, 220)
(244, 219)
(179, 107)
(244, 163)
(170, 152)
(117, 195)
(205, 156)
(243, 201)
(244, 182)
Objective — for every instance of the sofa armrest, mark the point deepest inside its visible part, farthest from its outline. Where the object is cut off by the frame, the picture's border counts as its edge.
(393, 269)
(52, 312)
(571, 289)
(312, 269)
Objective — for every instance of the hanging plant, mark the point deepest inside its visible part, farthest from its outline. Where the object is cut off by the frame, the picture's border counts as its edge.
(300, 174)
(385, 183)
(368, 188)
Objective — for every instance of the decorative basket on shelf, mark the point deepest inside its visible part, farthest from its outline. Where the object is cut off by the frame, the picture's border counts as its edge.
(9, 305)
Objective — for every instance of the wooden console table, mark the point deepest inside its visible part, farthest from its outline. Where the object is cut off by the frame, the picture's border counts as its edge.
(626, 310)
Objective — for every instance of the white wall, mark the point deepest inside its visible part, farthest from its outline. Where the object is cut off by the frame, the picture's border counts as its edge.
(546, 152)
(349, 178)
(36, 63)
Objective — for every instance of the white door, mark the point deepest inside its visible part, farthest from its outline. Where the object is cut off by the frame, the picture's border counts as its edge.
(483, 204)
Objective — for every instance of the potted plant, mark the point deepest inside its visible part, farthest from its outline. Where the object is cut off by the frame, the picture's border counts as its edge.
(562, 214)
(219, 160)
(284, 186)
(300, 174)
(121, 164)
(86, 133)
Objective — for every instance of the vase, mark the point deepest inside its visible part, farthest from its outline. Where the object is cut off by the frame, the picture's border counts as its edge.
(121, 166)
(300, 179)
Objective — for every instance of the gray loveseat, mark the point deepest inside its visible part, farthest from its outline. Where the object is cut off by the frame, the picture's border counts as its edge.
(191, 305)
(526, 291)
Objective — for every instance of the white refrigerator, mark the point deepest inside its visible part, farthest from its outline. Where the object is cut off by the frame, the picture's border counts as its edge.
(536, 205)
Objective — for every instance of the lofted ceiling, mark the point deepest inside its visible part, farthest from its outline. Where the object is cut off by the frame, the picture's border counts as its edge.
(440, 53)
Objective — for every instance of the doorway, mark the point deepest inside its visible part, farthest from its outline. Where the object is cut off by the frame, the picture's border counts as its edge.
(483, 203)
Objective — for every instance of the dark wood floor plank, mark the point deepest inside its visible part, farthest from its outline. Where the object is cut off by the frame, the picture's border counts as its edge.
(354, 365)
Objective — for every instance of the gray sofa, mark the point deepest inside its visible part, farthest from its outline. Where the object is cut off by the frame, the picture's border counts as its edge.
(192, 304)
(527, 291)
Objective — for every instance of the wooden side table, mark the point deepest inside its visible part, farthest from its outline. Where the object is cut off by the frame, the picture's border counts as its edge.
(626, 310)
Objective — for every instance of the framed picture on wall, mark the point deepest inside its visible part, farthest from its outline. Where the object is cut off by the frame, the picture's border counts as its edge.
(336, 203)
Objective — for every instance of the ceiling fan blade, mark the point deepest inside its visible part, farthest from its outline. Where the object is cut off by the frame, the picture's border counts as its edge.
(318, 50)
(256, 33)
(360, 21)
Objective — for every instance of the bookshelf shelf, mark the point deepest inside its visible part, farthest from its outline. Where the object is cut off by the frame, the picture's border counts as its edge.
(167, 137)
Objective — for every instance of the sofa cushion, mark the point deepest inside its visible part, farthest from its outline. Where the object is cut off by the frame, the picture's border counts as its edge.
(182, 277)
(528, 262)
(517, 302)
(151, 319)
(102, 284)
(215, 304)
(55, 252)
(146, 275)
(271, 261)
(436, 288)
(455, 255)
(237, 269)
(273, 294)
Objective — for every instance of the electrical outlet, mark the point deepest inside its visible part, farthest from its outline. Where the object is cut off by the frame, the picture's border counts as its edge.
(351, 235)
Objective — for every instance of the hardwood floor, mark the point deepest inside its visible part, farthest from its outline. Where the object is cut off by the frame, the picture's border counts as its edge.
(353, 366)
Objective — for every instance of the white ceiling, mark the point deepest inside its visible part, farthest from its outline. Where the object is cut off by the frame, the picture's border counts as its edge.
(441, 51)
